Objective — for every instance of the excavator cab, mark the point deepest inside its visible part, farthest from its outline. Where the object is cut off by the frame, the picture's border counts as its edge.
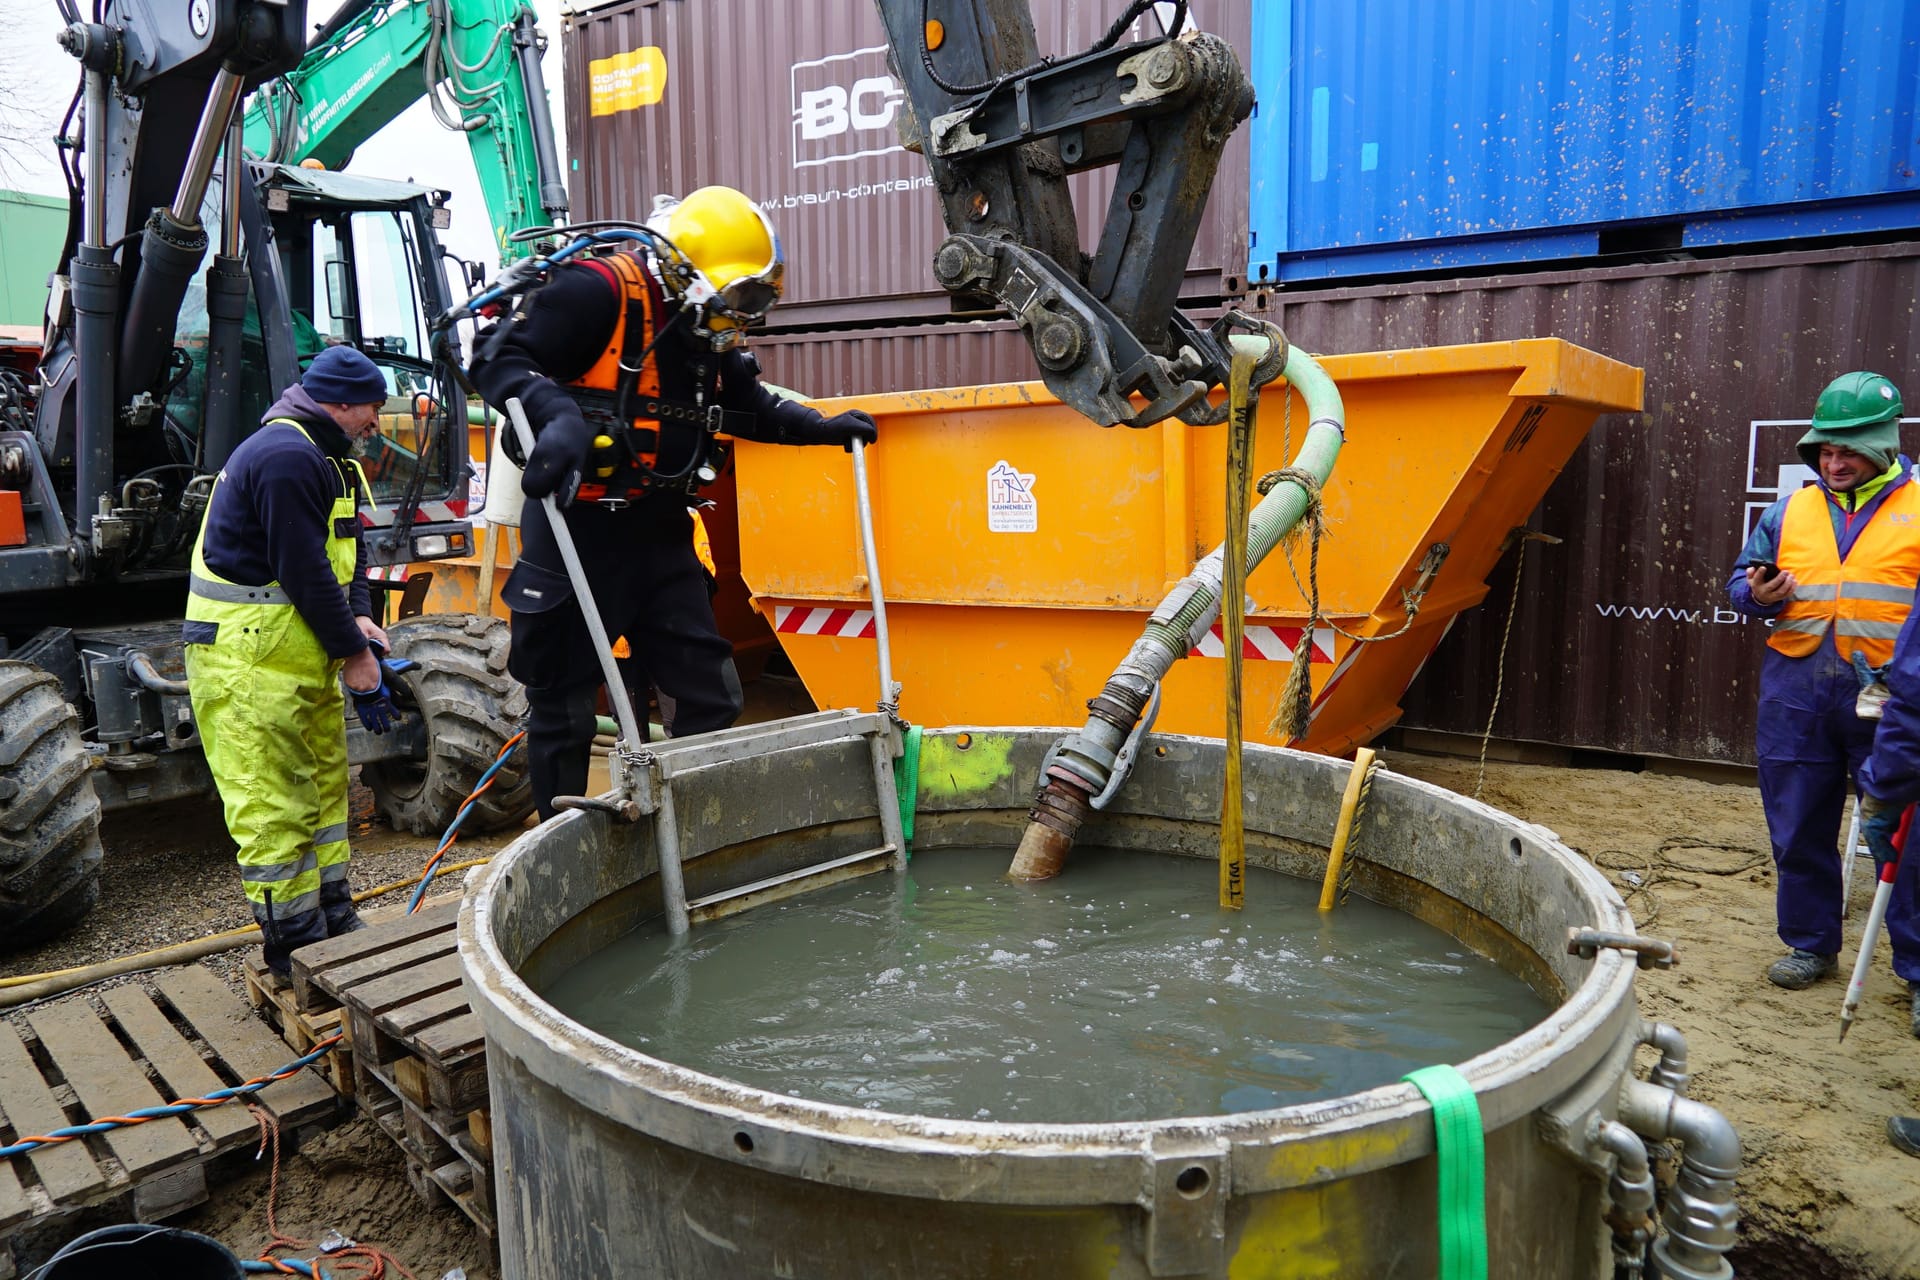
(356, 262)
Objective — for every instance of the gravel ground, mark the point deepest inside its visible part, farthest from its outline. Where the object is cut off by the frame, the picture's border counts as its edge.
(169, 877)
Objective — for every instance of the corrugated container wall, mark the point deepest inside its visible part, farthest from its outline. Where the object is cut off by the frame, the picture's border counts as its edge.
(1400, 135)
(793, 103)
(1623, 640)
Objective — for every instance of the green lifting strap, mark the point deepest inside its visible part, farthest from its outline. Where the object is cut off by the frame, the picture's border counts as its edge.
(1461, 1149)
(906, 782)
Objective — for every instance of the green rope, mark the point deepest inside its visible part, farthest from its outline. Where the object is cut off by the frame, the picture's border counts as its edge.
(906, 782)
(1460, 1147)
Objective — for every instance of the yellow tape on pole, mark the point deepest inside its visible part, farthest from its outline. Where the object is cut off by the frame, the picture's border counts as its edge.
(1343, 829)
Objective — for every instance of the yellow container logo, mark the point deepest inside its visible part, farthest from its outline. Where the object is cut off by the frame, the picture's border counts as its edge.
(637, 78)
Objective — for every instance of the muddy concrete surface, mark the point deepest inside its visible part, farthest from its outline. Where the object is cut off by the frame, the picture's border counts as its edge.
(1822, 1193)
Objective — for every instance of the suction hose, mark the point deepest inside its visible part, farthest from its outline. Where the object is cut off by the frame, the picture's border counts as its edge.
(1080, 773)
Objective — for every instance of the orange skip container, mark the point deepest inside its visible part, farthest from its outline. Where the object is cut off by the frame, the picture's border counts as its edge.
(1021, 547)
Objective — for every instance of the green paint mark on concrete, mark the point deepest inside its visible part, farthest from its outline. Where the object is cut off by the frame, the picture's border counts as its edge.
(949, 772)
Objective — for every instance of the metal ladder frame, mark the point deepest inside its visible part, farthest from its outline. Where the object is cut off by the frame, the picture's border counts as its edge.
(652, 793)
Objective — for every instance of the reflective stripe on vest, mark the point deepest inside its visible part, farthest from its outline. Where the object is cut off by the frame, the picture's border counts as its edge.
(1864, 600)
(212, 598)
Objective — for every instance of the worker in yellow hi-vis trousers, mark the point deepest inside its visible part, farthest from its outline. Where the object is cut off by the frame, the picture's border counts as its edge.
(278, 612)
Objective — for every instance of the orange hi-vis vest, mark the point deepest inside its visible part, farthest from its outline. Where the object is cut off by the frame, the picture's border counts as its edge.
(1865, 598)
(625, 457)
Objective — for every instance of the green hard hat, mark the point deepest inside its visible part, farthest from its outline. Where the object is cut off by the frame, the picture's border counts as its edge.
(1859, 411)
(1857, 399)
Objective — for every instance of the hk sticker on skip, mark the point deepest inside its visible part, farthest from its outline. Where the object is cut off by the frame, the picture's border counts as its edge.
(1010, 504)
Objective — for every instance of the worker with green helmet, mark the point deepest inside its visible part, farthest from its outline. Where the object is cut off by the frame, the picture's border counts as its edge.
(1833, 568)
(278, 613)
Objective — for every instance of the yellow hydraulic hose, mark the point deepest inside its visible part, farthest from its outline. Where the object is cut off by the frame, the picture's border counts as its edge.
(1343, 829)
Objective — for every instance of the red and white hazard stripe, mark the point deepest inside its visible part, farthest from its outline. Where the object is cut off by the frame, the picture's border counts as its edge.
(848, 624)
(1263, 643)
(387, 572)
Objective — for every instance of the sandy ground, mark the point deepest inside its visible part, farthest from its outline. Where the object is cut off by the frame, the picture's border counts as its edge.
(1822, 1195)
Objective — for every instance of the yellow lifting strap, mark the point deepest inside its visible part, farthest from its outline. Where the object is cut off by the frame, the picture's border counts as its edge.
(1351, 806)
(1233, 619)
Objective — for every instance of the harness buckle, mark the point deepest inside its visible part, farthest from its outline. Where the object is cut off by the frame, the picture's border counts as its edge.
(613, 504)
(716, 418)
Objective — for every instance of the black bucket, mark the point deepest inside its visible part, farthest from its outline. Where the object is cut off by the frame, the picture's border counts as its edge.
(137, 1249)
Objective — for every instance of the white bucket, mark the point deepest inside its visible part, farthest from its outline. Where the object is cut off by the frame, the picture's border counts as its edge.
(504, 498)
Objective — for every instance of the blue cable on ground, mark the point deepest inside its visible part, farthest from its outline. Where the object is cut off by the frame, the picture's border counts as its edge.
(178, 1107)
(285, 1265)
(446, 840)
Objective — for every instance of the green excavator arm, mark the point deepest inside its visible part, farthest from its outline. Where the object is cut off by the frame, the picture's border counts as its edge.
(476, 61)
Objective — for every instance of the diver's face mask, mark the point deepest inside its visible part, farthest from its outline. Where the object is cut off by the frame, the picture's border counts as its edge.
(722, 316)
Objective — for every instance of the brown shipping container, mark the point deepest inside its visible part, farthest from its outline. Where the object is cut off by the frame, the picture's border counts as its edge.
(1623, 640)
(793, 104)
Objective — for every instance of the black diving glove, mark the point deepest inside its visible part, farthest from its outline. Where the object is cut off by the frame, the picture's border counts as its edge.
(844, 428)
(559, 455)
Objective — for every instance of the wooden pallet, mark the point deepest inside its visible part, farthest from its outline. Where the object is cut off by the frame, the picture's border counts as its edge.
(181, 1034)
(272, 998)
(419, 1055)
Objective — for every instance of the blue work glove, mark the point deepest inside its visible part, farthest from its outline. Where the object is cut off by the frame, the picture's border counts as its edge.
(1879, 821)
(844, 428)
(391, 667)
(559, 456)
(374, 706)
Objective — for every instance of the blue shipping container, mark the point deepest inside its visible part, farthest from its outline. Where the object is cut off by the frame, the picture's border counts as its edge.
(1399, 135)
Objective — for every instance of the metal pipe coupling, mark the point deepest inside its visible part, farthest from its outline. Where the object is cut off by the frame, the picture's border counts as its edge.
(1701, 1218)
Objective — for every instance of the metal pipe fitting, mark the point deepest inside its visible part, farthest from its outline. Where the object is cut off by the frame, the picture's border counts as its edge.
(140, 667)
(1671, 1073)
(1631, 1198)
(1649, 953)
(1701, 1217)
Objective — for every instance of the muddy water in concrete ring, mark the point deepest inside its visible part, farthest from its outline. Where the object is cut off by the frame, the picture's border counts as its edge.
(1119, 991)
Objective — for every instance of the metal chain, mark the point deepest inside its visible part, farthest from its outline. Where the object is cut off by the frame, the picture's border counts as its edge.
(643, 758)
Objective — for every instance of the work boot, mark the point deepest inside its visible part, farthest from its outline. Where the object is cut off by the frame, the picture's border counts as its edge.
(1799, 969)
(336, 904)
(284, 934)
(1904, 1133)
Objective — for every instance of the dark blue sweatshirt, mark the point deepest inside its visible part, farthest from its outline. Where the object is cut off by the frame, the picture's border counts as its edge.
(269, 518)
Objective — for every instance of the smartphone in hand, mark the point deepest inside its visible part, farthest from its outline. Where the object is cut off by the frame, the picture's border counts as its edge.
(1768, 570)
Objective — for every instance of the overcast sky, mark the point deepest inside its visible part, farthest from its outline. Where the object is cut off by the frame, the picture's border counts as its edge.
(37, 80)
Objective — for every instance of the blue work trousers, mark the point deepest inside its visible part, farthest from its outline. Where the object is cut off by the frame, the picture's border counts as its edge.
(1811, 745)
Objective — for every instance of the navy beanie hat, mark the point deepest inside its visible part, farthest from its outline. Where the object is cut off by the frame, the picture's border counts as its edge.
(342, 375)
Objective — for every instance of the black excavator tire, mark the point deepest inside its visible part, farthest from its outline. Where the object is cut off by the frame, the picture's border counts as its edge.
(472, 706)
(49, 814)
